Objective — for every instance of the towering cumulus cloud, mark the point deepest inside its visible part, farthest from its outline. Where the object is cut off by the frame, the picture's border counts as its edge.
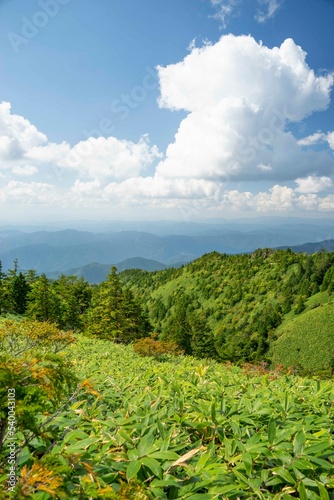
(240, 95)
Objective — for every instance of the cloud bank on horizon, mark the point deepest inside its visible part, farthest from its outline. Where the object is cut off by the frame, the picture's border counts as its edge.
(239, 97)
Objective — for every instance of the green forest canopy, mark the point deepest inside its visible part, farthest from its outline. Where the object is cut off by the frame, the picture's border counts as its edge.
(239, 308)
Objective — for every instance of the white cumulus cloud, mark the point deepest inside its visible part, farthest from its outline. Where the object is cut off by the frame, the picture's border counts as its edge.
(25, 170)
(313, 184)
(240, 95)
(110, 157)
(17, 131)
(25, 151)
(311, 140)
(17, 136)
(330, 139)
(29, 193)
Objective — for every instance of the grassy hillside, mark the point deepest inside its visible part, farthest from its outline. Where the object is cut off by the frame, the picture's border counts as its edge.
(306, 341)
(242, 299)
(181, 429)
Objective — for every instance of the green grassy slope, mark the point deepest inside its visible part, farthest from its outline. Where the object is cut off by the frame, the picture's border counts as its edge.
(306, 340)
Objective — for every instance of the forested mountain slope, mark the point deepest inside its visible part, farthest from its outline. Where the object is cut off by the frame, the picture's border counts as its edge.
(230, 306)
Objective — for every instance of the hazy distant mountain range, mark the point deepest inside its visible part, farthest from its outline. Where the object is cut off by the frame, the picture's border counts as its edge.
(310, 248)
(72, 250)
(95, 273)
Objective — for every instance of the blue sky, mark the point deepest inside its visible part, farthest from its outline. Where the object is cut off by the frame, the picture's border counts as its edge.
(179, 109)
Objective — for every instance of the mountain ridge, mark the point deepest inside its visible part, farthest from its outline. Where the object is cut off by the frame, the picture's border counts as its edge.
(59, 251)
(96, 273)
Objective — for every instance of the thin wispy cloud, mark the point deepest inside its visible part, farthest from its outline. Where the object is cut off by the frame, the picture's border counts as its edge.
(226, 9)
(267, 9)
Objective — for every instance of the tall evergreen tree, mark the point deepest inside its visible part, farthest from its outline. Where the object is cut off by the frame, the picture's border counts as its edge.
(19, 293)
(74, 294)
(44, 303)
(8, 303)
(202, 339)
(114, 314)
(2, 290)
(179, 329)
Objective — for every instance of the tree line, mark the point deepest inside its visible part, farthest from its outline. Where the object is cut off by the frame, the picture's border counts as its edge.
(225, 307)
(108, 310)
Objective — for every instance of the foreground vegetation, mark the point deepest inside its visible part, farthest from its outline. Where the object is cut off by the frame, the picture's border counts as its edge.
(108, 406)
(137, 428)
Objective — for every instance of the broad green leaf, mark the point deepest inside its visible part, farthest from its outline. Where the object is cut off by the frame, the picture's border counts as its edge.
(133, 454)
(323, 463)
(82, 445)
(132, 469)
(255, 439)
(213, 412)
(161, 429)
(323, 492)
(303, 464)
(200, 496)
(77, 405)
(75, 435)
(23, 457)
(125, 436)
(231, 489)
(166, 482)
(302, 491)
(153, 465)
(145, 445)
(309, 482)
(271, 431)
(248, 463)
(264, 475)
(164, 455)
(316, 449)
(286, 401)
(274, 481)
(284, 474)
(299, 443)
(255, 484)
(241, 477)
(202, 461)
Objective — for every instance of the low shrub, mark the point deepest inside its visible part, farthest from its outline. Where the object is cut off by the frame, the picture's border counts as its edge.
(150, 346)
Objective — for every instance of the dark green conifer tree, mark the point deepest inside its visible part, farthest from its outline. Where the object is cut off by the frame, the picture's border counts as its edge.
(202, 339)
(2, 290)
(179, 329)
(44, 303)
(114, 314)
(19, 293)
(74, 294)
